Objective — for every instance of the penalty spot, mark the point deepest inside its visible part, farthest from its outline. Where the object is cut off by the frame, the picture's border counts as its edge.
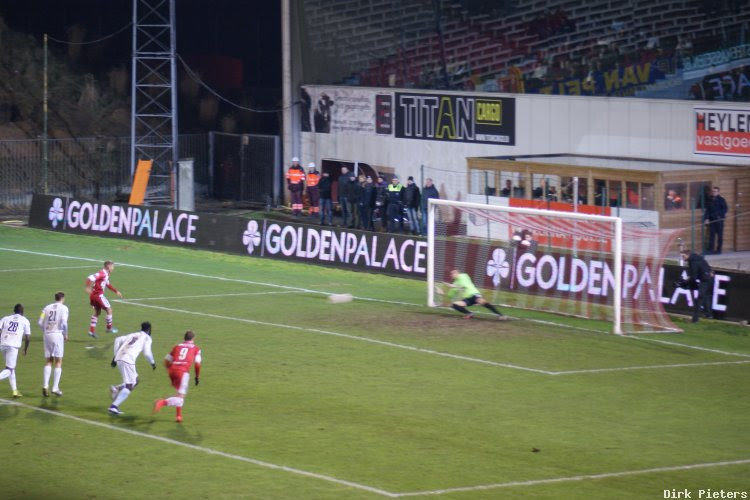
(340, 298)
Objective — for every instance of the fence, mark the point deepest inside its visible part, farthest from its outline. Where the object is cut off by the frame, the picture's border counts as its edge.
(99, 168)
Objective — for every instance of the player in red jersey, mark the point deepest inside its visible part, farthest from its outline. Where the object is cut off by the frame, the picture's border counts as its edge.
(178, 363)
(95, 285)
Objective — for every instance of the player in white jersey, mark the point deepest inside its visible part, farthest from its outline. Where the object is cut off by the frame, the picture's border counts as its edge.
(14, 330)
(54, 324)
(127, 349)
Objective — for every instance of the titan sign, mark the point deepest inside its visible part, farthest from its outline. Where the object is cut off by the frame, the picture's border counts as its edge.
(537, 273)
(456, 118)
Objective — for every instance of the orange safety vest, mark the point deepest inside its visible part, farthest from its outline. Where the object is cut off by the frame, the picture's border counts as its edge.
(295, 175)
(312, 179)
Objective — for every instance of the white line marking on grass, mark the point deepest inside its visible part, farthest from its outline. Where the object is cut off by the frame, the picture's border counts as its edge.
(342, 335)
(274, 285)
(649, 367)
(585, 477)
(209, 296)
(699, 348)
(203, 449)
(43, 269)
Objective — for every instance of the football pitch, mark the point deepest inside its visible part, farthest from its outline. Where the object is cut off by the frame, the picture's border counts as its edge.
(380, 397)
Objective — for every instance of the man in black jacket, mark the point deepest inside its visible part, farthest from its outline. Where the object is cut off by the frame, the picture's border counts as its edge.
(367, 203)
(354, 192)
(343, 195)
(713, 216)
(701, 278)
(411, 202)
(324, 190)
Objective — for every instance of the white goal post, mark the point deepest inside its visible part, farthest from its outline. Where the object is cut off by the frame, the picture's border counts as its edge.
(548, 260)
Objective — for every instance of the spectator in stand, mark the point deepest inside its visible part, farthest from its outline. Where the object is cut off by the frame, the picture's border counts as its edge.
(324, 189)
(429, 191)
(367, 203)
(343, 194)
(394, 209)
(411, 202)
(311, 180)
(507, 191)
(714, 215)
(381, 202)
(355, 193)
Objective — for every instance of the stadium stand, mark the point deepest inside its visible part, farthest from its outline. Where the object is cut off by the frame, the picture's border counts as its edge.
(476, 44)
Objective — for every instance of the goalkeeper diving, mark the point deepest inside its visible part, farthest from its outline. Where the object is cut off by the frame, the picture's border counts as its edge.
(468, 295)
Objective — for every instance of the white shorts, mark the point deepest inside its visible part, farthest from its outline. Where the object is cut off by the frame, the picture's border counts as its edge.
(54, 345)
(129, 375)
(11, 355)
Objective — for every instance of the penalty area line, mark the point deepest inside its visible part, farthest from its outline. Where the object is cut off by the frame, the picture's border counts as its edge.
(585, 477)
(242, 294)
(210, 451)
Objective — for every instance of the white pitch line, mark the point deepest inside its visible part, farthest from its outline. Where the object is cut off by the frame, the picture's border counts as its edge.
(649, 367)
(274, 285)
(208, 296)
(203, 449)
(43, 269)
(372, 489)
(605, 475)
(699, 348)
(342, 335)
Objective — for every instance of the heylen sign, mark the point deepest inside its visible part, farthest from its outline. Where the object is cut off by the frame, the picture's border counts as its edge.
(722, 132)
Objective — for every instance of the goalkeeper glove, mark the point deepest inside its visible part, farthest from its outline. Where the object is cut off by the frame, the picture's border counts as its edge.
(113, 363)
(197, 380)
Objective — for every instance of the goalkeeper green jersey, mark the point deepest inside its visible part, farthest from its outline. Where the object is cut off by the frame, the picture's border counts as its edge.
(463, 287)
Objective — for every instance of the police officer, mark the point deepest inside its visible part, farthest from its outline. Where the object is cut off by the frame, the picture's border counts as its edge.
(394, 210)
(295, 180)
(701, 278)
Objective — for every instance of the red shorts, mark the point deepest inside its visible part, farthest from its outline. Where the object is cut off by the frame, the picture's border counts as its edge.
(180, 380)
(99, 301)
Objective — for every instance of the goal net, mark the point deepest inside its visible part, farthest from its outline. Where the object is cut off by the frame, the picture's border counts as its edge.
(569, 263)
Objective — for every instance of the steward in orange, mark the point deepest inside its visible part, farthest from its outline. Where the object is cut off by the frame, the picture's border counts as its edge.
(295, 181)
(312, 180)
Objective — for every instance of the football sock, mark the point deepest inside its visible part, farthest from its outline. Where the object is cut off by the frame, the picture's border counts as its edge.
(492, 308)
(175, 401)
(121, 396)
(56, 382)
(5, 373)
(109, 321)
(47, 373)
(460, 309)
(13, 386)
(179, 412)
(92, 324)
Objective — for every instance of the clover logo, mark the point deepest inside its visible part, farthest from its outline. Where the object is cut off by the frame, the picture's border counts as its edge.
(251, 236)
(56, 212)
(498, 267)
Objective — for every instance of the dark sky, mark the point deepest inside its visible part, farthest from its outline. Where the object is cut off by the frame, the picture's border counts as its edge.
(248, 30)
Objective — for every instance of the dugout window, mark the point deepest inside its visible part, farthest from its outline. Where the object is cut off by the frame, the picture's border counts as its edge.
(647, 196)
(674, 196)
(614, 194)
(632, 196)
(483, 182)
(700, 193)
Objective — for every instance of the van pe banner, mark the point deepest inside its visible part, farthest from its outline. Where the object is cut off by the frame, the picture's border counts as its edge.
(531, 272)
(456, 118)
(722, 131)
(345, 110)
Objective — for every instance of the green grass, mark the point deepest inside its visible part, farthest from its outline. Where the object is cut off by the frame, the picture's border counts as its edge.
(385, 393)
